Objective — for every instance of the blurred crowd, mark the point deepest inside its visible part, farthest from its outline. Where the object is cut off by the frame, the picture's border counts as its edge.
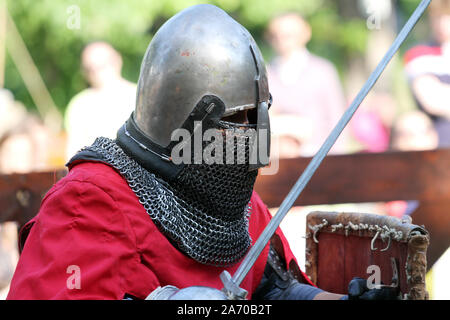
(27, 145)
(309, 99)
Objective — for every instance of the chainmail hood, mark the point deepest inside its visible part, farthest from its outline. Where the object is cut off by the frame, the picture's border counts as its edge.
(204, 212)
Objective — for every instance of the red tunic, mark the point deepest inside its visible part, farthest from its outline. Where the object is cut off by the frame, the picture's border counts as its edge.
(92, 239)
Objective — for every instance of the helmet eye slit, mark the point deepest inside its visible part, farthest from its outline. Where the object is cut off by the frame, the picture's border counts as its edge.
(233, 125)
(238, 117)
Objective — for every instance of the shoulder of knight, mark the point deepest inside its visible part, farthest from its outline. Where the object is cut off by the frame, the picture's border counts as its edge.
(97, 173)
(94, 172)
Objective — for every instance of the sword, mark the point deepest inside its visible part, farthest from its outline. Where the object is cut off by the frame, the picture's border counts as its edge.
(231, 284)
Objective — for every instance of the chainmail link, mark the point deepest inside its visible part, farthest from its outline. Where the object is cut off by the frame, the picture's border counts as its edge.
(221, 190)
(208, 238)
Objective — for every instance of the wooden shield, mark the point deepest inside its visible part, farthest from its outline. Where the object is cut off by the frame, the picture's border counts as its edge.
(341, 246)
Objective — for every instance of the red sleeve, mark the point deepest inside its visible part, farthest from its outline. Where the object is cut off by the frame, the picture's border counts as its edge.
(80, 247)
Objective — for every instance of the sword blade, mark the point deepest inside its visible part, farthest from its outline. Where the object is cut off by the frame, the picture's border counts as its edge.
(303, 180)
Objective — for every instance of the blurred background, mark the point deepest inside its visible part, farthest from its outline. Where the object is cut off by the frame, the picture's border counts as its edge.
(68, 71)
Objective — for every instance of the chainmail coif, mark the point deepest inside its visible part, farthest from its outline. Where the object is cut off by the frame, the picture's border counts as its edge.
(204, 212)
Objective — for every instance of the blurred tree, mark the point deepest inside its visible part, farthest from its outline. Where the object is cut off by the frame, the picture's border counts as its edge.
(56, 31)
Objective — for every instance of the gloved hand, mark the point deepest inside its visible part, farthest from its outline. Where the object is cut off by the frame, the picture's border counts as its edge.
(358, 290)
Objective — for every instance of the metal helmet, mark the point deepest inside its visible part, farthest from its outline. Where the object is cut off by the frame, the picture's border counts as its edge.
(201, 51)
(201, 67)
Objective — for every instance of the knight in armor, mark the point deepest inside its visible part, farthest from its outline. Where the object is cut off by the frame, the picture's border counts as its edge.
(130, 219)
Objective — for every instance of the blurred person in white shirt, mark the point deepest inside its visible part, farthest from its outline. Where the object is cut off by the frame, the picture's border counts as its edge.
(105, 105)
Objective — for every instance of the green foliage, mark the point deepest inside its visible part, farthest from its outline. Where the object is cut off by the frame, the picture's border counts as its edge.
(129, 25)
